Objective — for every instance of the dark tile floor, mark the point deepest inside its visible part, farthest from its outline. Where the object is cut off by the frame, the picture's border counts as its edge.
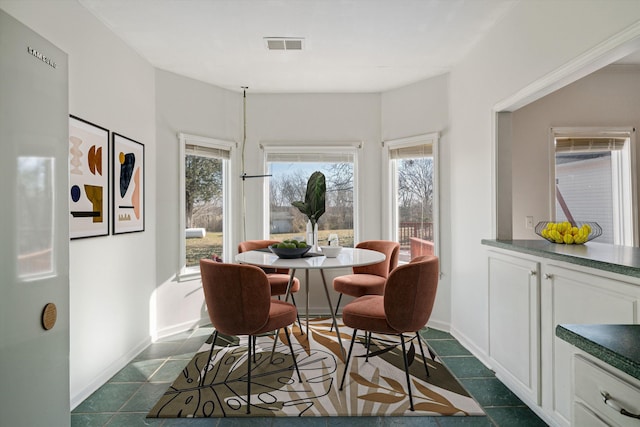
(127, 397)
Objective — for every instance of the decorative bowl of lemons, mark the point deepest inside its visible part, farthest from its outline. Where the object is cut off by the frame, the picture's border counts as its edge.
(568, 233)
(290, 248)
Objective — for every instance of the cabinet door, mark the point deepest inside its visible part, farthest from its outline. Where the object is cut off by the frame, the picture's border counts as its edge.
(514, 333)
(571, 296)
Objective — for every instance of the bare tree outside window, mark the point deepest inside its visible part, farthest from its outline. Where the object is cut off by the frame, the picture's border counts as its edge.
(415, 189)
(203, 188)
(415, 193)
(203, 207)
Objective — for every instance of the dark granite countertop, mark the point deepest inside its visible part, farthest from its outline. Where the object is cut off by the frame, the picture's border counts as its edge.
(616, 345)
(616, 259)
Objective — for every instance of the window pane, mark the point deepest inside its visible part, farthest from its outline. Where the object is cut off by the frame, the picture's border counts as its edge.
(289, 183)
(203, 207)
(584, 190)
(414, 204)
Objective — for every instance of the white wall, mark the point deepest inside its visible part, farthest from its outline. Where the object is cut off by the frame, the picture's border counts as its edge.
(418, 109)
(607, 98)
(111, 278)
(193, 107)
(516, 53)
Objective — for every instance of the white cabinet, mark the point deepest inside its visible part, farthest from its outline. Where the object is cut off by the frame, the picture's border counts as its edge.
(528, 297)
(604, 396)
(568, 296)
(514, 332)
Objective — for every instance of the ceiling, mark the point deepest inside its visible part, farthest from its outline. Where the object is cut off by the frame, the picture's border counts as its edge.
(348, 45)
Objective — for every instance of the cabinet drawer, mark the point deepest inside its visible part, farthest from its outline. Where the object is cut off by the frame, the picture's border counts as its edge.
(583, 417)
(592, 381)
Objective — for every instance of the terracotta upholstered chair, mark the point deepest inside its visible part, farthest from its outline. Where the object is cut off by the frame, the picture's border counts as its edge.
(239, 302)
(278, 278)
(369, 279)
(405, 307)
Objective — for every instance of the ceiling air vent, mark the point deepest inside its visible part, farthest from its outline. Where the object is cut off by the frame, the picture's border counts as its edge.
(284, 43)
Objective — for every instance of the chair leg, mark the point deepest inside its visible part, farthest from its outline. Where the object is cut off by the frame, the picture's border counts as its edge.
(346, 363)
(249, 377)
(336, 312)
(297, 315)
(406, 371)
(431, 353)
(206, 367)
(338, 303)
(368, 340)
(252, 342)
(293, 356)
(275, 341)
(424, 359)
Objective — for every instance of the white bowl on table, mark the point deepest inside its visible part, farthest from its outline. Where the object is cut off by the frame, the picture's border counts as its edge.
(331, 251)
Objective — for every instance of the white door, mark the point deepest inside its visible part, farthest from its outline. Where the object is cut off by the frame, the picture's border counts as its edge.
(34, 230)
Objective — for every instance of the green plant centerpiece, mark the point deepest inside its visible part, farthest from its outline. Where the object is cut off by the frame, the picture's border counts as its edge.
(313, 206)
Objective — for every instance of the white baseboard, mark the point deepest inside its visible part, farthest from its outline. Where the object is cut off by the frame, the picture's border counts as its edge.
(178, 328)
(99, 380)
(479, 353)
(483, 357)
(439, 325)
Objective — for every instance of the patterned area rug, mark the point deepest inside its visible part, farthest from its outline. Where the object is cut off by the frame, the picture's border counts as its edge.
(374, 388)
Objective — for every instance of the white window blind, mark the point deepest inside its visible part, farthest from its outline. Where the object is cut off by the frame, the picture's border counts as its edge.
(581, 145)
(411, 152)
(211, 152)
(310, 157)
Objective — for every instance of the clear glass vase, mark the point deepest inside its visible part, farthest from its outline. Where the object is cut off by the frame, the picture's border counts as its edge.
(312, 237)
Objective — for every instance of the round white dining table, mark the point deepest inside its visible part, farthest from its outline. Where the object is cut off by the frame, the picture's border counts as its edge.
(348, 257)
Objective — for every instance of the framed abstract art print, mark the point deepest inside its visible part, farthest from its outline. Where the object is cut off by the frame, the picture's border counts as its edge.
(88, 179)
(128, 185)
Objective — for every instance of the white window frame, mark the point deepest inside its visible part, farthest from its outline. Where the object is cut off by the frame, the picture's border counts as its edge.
(627, 234)
(390, 200)
(189, 273)
(351, 148)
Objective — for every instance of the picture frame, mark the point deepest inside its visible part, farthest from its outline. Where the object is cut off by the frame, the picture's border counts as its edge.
(128, 172)
(88, 179)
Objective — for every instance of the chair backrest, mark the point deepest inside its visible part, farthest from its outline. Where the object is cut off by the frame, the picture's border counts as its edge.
(410, 292)
(251, 245)
(390, 249)
(238, 296)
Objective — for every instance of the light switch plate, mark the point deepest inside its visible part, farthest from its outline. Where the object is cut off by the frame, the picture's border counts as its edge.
(529, 222)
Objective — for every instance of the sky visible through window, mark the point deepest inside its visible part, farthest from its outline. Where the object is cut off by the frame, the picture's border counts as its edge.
(280, 168)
